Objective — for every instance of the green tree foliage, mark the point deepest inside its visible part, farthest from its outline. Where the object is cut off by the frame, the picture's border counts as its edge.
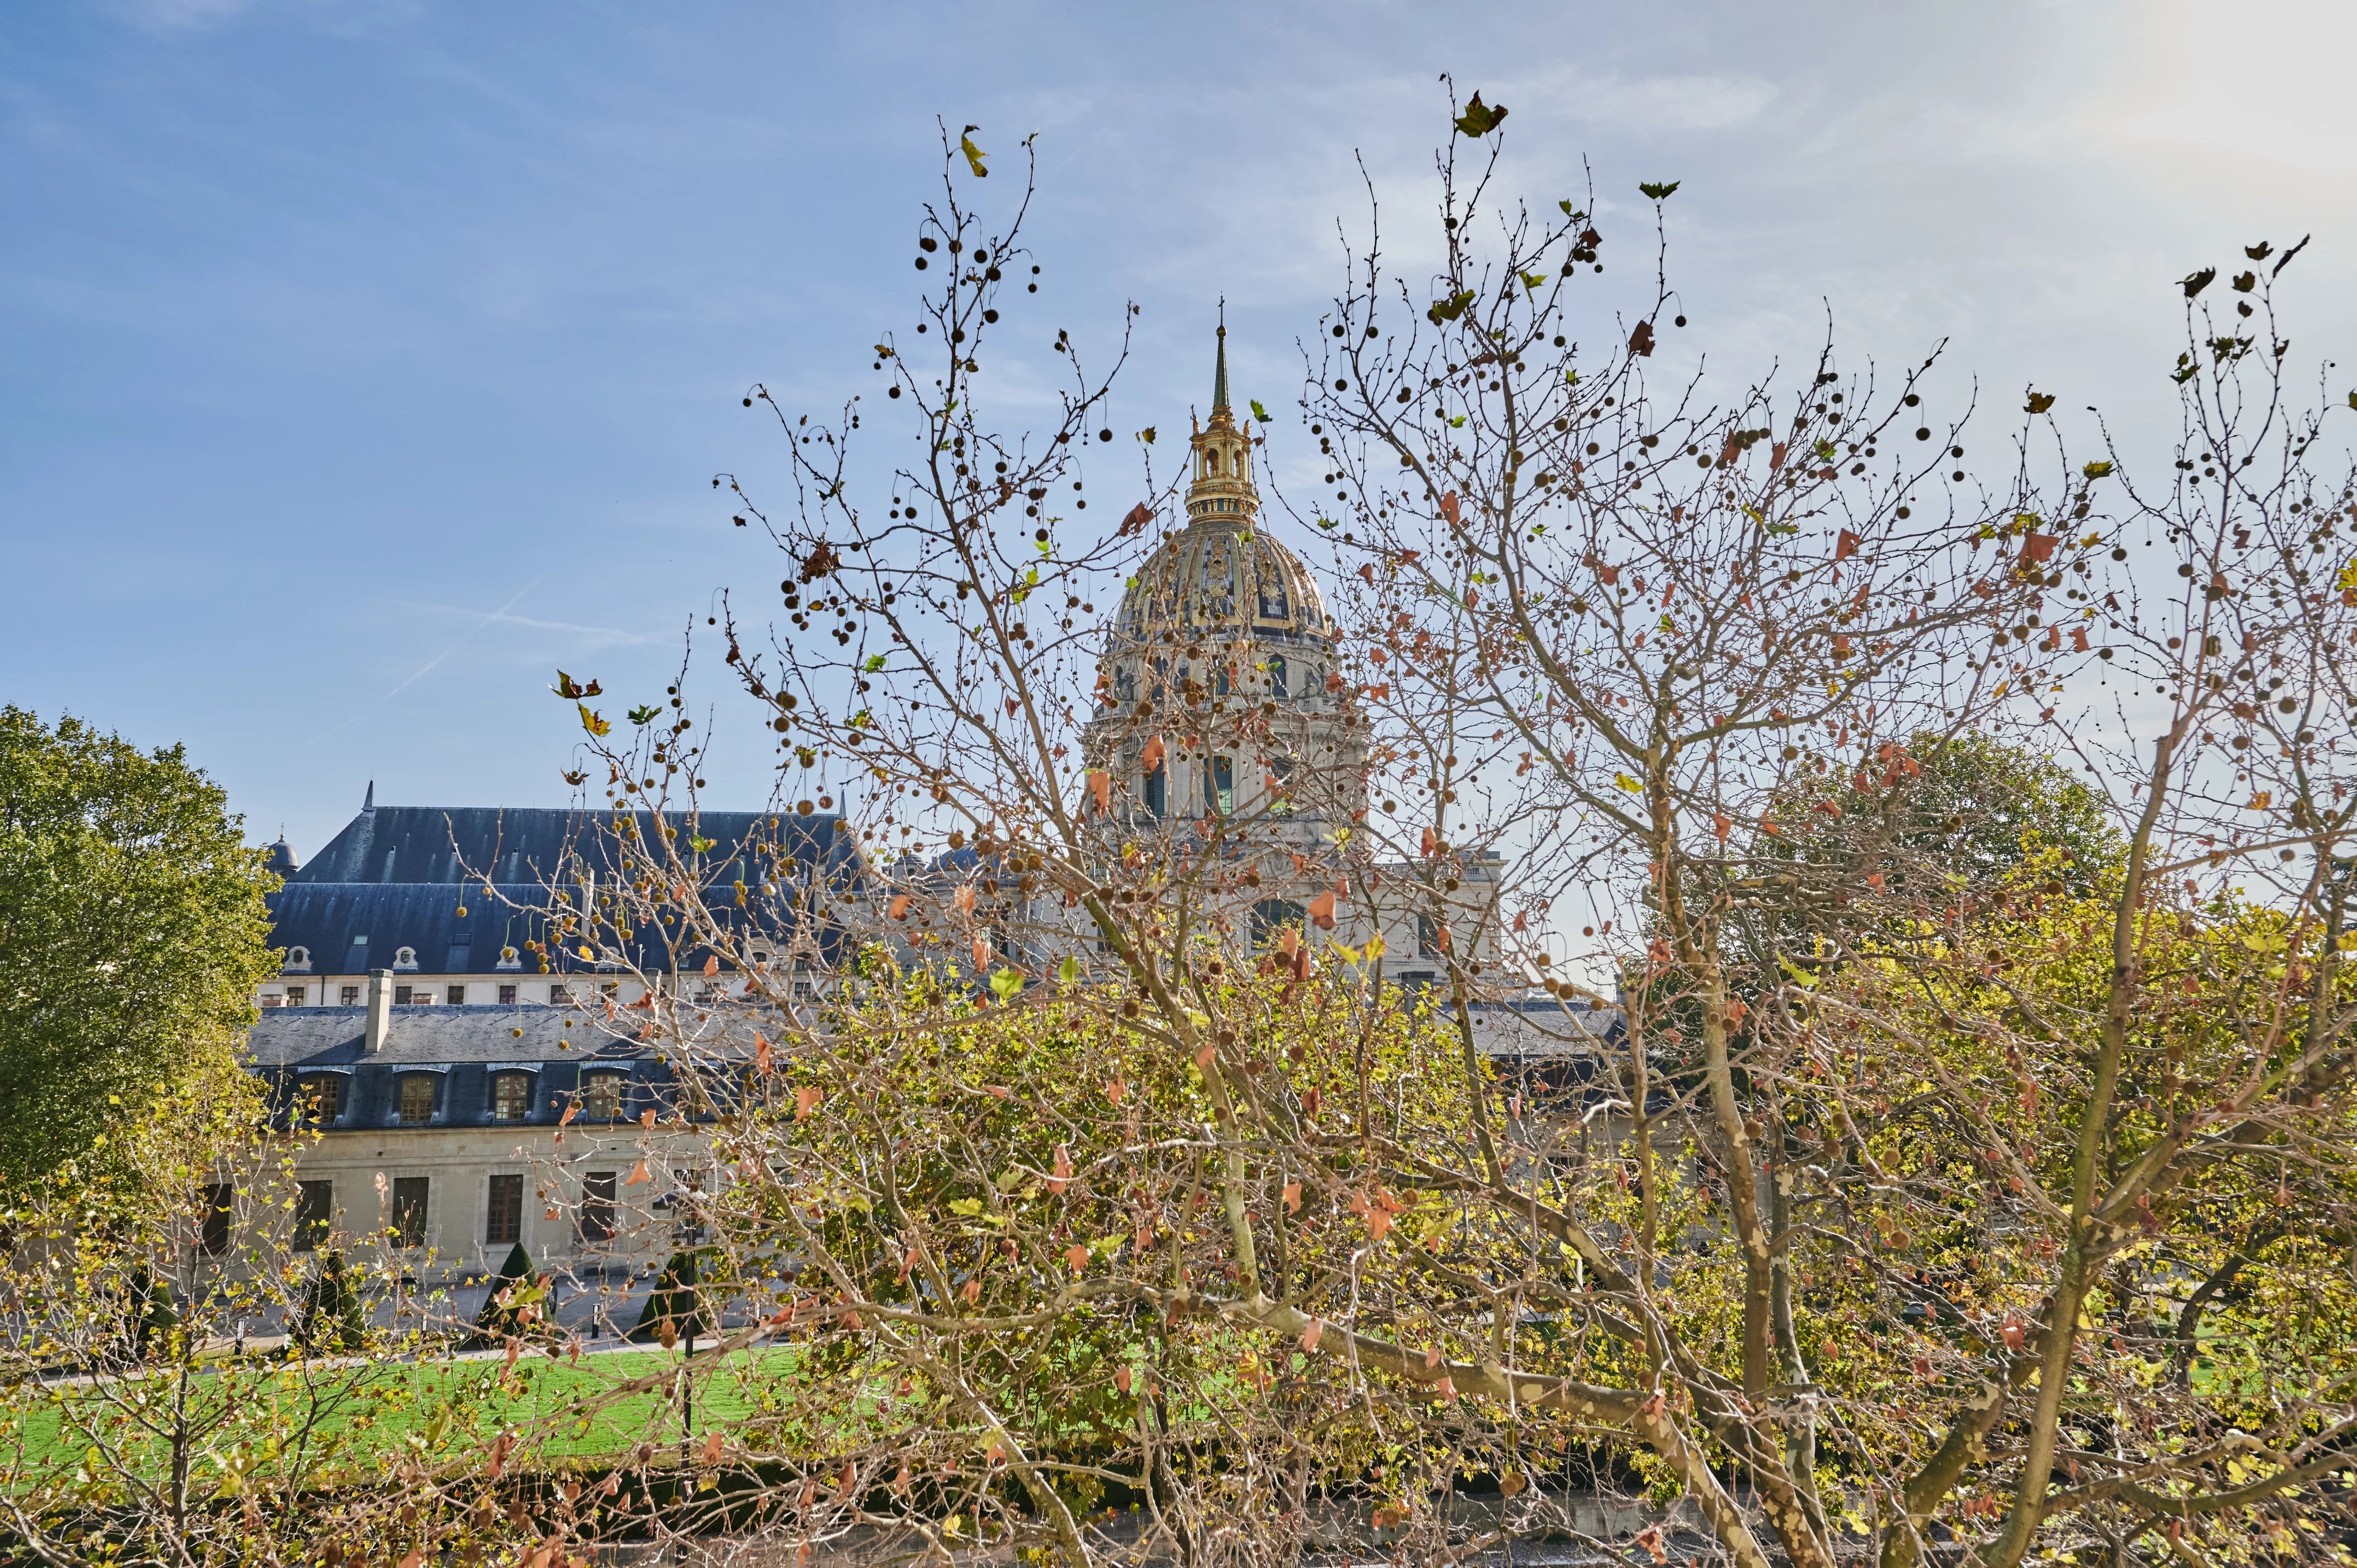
(132, 933)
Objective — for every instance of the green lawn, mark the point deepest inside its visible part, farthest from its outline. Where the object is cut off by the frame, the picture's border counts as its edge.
(362, 1415)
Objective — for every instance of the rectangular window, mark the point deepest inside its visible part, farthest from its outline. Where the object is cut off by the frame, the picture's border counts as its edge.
(401, 995)
(1281, 769)
(349, 995)
(408, 1225)
(601, 1096)
(1428, 936)
(295, 994)
(507, 995)
(1219, 786)
(511, 1096)
(1157, 791)
(417, 1100)
(560, 995)
(212, 1223)
(609, 988)
(457, 995)
(315, 1209)
(598, 1207)
(324, 1094)
(503, 1219)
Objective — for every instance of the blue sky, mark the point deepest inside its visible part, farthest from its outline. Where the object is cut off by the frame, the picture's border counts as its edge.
(361, 363)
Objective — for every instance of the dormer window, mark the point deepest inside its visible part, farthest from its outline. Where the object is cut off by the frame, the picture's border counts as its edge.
(417, 1098)
(405, 958)
(511, 1096)
(298, 961)
(320, 1097)
(601, 1097)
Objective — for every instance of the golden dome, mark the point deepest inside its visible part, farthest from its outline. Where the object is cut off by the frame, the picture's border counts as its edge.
(1219, 574)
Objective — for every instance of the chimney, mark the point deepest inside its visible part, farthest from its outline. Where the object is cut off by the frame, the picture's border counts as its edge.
(380, 1011)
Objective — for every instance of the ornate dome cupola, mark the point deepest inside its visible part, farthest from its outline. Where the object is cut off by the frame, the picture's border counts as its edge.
(1222, 619)
(1218, 580)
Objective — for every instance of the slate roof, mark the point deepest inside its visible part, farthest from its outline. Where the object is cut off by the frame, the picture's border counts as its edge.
(398, 876)
(454, 844)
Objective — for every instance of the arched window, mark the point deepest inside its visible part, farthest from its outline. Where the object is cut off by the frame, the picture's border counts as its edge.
(1276, 672)
(298, 961)
(1271, 915)
(1219, 785)
(1157, 790)
(405, 958)
(1125, 684)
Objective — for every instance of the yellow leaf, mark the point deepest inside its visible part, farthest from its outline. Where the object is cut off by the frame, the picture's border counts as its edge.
(974, 156)
(1374, 948)
(591, 722)
(1625, 783)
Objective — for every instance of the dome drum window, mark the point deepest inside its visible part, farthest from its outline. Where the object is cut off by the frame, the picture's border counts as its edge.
(405, 958)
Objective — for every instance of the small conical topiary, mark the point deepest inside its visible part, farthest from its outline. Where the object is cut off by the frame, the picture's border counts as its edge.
(330, 1318)
(673, 1307)
(502, 1313)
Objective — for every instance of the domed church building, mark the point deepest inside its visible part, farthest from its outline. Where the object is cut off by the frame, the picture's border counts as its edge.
(1224, 715)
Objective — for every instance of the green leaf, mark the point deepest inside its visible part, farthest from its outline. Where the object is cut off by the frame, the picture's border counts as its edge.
(1576, 216)
(644, 714)
(1658, 192)
(969, 1207)
(974, 156)
(1005, 984)
(701, 845)
(2096, 471)
(1259, 412)
(1069, 972)
(1457, 423)
(1329, 524)
(1534, 281)
(875, 662)
(1450, 309)
(1480, 119)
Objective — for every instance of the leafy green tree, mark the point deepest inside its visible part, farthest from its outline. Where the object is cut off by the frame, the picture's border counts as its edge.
(132, 933)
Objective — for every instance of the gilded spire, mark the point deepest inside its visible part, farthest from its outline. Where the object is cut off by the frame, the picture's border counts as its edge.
(1219, 376)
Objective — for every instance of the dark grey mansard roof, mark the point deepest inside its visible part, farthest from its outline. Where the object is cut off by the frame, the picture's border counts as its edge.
(464, 1049)
(399, 875)
(469, 843)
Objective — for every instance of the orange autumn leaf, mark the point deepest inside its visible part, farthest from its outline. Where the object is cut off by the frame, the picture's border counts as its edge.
(1151, 758)
(964, 899)
(1321, 911)
(900, 906)
(806, 1099)
(1311, 1335)
(1100, 788)
(640, 1175)
(1293, 1198)
(712, 966)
